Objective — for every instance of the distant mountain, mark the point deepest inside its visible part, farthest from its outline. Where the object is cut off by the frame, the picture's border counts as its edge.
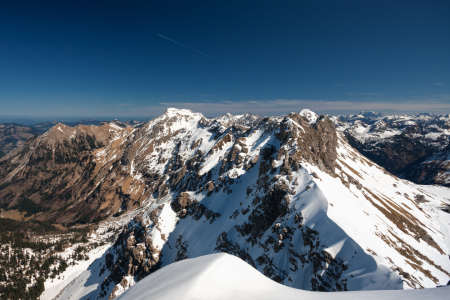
(44, 126)
(398, 142)
(124, 124)
(364, 114)
(13, 135)
(433, 169)
(50, 174)
(246, 120)
(82, 122)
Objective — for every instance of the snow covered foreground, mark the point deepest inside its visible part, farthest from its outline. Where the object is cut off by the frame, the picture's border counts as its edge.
(224, 276)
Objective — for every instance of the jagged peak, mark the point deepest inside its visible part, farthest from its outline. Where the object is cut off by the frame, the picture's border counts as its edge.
(244, 115)
(309, 115)
(224, 116)
(246, 119)
(101, 131)
(179, 111)
(175, 115)
(60, 127)
(370, 114)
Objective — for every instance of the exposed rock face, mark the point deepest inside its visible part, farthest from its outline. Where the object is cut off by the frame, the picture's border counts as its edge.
(13, 135)
(133, 254)
(316, 143)
(268, 209)
(58, 173)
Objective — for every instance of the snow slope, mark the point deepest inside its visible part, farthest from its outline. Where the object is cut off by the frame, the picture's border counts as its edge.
(54, 288)
(222, 276)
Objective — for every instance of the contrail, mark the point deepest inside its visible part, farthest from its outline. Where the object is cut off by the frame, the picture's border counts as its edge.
(201, 53)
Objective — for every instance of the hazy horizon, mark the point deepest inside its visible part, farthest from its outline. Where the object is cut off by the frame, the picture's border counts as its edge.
(33, 121)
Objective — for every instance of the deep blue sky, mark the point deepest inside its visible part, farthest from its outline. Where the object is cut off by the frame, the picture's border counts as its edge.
(105, 58)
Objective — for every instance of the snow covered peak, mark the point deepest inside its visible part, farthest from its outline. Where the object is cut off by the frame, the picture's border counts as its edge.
(379, 126)
(177, 111)
(246, 120)
(309, 115)
(371, 114)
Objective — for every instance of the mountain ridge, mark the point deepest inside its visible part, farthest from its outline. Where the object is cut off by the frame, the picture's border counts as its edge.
(275, 195)
(290, 196)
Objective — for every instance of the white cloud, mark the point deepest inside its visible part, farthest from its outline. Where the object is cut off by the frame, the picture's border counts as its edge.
(284, 106)
(437, 103)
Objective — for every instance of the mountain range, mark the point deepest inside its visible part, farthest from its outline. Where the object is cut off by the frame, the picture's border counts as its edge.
(289, 195)
(414, 147)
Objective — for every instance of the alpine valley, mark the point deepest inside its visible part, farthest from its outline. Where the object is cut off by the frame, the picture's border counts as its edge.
(318, 203)
(413, 147)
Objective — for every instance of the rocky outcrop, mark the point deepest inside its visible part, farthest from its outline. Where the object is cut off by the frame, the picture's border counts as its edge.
(274, 204)
(315, 143)
(133, 254)
(185, 206)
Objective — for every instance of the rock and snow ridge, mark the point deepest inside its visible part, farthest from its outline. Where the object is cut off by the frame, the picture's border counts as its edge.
(289, 196)
(309, 115)
(222, 276)
(246, 120)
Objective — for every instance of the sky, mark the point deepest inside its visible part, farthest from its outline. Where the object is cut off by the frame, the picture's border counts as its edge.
(134, 59)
